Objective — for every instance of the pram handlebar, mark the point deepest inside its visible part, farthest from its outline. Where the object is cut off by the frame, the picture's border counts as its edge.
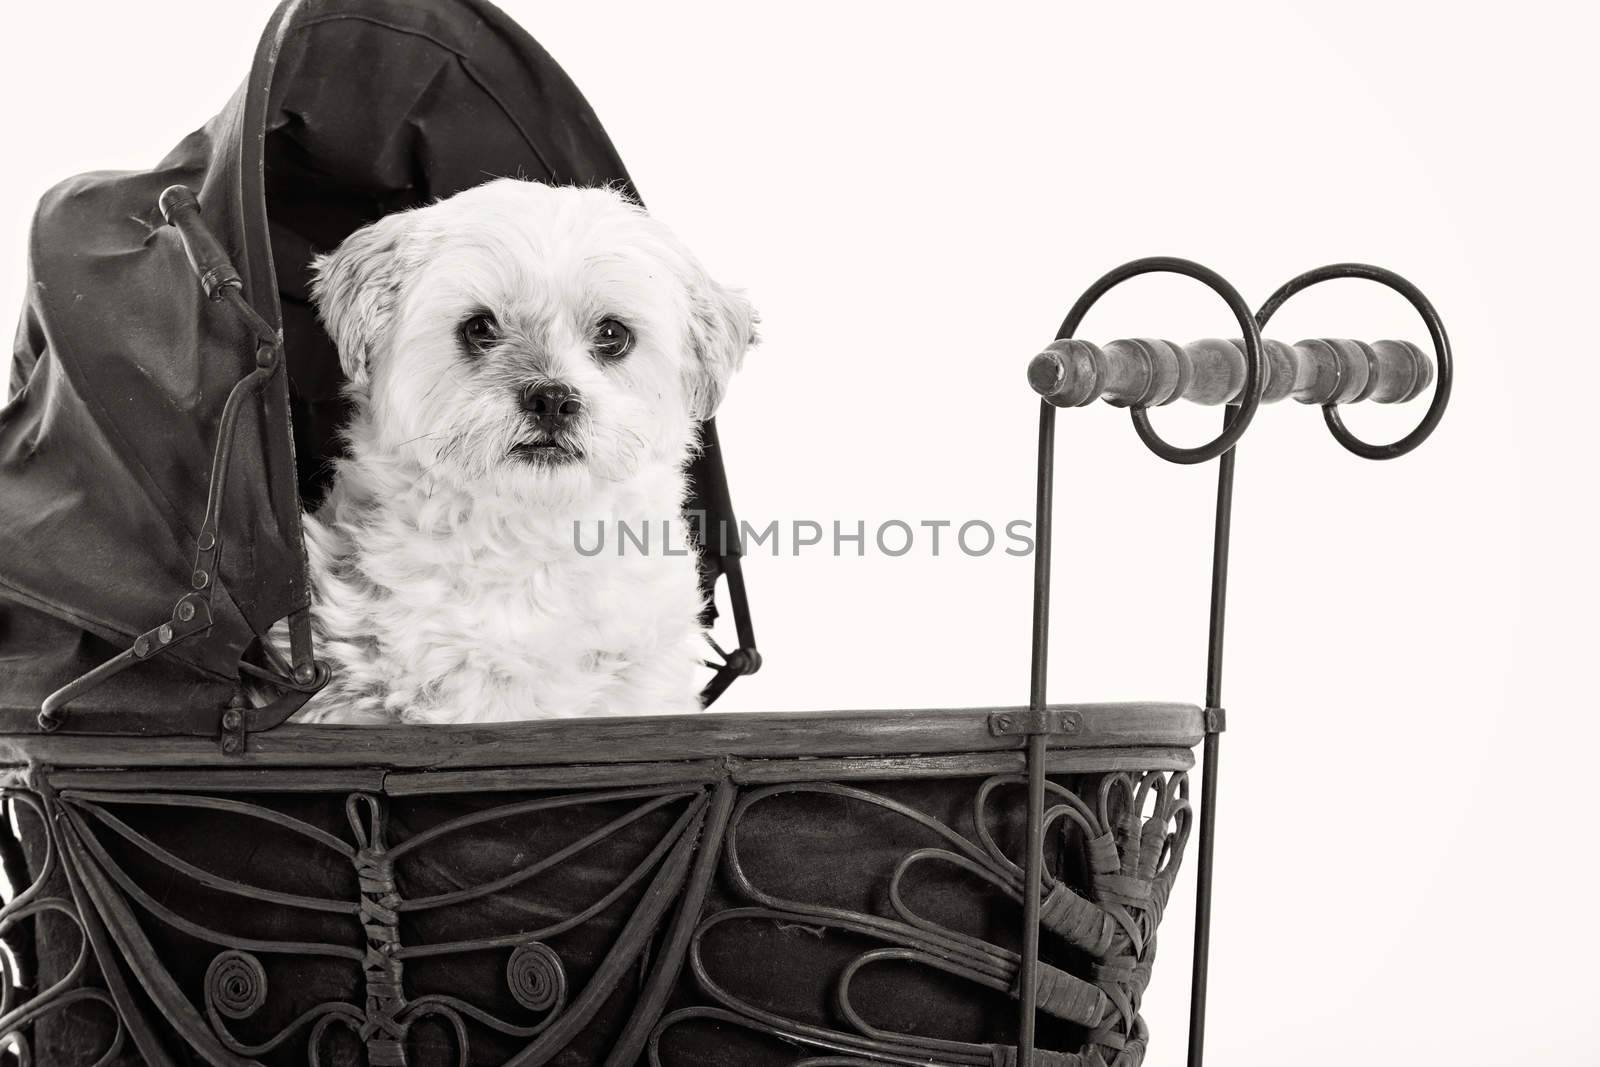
(1241, 374)
(1329, 372)
(1144, 372)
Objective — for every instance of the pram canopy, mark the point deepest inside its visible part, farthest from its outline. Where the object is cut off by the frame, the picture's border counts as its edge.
(352, 109)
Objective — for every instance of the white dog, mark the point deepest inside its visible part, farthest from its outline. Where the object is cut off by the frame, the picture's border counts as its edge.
(526, 362)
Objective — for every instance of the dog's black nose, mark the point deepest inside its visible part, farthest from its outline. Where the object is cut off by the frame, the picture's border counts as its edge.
(552, 405)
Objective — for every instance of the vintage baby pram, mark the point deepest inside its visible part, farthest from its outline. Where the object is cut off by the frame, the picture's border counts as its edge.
(198, 883)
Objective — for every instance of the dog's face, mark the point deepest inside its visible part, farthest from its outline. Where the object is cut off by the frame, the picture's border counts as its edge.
(529, 339)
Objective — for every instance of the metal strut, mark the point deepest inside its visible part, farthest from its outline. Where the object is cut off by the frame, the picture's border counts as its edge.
(1216, 721)
(1038, 733)
(744, 658)
(192, 614)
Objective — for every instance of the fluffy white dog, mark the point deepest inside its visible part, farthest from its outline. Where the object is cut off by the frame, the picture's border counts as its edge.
(525, 362)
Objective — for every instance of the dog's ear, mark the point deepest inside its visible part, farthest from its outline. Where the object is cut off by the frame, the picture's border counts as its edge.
(722, 325)
(357, 287)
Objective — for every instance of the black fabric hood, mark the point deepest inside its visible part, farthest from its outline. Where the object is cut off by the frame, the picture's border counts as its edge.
(352, 109)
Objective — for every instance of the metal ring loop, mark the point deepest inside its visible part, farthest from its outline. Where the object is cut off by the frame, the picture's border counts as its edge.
(1255, 368)
(1441, 353)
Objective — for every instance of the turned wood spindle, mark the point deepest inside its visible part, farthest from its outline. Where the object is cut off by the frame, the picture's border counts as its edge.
(1148, 373)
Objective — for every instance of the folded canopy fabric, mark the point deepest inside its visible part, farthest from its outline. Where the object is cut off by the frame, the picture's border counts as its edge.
(352, 109)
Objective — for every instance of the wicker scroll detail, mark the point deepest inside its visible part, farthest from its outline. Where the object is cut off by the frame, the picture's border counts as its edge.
(236, 985)
(535, 977)
(1121, 842)
(18, 1012)
(94, 834)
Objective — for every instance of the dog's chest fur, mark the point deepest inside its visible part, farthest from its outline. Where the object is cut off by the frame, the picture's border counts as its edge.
(433, 606)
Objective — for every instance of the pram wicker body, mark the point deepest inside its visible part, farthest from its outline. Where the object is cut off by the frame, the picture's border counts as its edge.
(736, 889)
(197, 883)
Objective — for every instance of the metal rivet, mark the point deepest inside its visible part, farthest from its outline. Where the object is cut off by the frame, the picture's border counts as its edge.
(141, 646)
(230, 743)
(165, 633)
(231, 719)
(200, 579)
(1004, 722)
(305, 674)
(208, 541)
(186, 611)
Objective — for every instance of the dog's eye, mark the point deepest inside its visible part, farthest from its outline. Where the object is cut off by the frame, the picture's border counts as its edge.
(479, 331)
(612, 339)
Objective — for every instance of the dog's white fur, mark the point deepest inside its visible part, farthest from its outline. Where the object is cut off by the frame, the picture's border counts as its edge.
(447, 584)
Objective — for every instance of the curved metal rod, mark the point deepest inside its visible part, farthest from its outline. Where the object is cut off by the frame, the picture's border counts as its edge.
(18, 1043)
(212, 880)
(672, 838)
(21, 897)
(1004, 961)
(793, 1029)
(63, 993)
(892, 930)
(1221, 542)
(449, 1015)
(524, 807)
(1255, 373)
(851, 1049)
(86, 797)
(1074, 808)
(171, 918)
(522, 874)
(233, 1044)
(906, 955)
(1441, 353)
(314, 1041)
(356, 1024)
(419, 1007)
(46, 999)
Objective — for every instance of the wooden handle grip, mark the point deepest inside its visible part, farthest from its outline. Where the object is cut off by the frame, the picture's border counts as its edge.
(206, 254)
(1148, 373)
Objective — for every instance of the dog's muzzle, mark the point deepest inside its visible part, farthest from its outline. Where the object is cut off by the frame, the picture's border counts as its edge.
(554, 410)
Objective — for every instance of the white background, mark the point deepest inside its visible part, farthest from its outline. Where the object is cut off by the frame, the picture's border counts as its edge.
(914, 194)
